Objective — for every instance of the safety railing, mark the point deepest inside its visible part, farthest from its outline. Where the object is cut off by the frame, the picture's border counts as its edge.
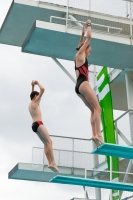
(81, 199)
(116, 20)
(76, 22)
(105, 175)
(68, 152)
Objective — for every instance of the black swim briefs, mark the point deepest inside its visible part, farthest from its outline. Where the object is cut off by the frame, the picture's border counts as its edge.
(35, 125)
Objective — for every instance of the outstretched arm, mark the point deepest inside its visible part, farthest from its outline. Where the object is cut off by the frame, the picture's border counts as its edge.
(82, 36)
(88, 37)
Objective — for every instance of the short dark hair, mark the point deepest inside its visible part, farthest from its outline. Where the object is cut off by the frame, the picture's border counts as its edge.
(33, 94)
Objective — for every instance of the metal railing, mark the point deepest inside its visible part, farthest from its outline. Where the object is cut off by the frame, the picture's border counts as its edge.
(118, 132)
(81, 199)
(64, 158)
(100, 24)
(68, 152)
(82, 22)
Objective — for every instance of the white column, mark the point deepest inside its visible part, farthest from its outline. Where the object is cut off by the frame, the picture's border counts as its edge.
(95, 76)
(89, 5)
(67, 14)
(127, 9)
(111, 176)
(95, 157)
(85, 190)
(96, 162)
(129, 90)
(131, 31)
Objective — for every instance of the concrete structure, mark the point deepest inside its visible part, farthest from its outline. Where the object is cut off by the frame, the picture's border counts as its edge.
(28, 25)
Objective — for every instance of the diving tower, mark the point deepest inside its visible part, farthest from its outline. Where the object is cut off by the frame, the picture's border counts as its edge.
(40, 27)
(53, 30)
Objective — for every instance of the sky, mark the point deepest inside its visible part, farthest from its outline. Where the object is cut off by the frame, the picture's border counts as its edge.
(64, 114)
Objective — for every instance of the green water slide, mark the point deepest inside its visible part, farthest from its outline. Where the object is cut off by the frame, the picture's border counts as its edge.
(105, 100)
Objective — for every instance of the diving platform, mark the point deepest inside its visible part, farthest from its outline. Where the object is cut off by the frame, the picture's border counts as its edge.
(72, 172)
(41, 173)
(115, 150)
(40, 28)
(92, 183)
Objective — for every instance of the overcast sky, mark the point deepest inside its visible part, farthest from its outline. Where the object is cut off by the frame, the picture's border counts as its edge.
(63, 113)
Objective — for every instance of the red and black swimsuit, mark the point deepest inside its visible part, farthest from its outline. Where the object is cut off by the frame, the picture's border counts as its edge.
(35, 125)
(83, 75)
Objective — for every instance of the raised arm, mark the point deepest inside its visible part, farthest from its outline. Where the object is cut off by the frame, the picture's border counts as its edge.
(82, 36)
(88, 37)
(32, 83)
(41, 90)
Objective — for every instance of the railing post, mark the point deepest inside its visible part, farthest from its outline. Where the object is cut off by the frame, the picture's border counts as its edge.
(38, 2)
(131, 31)
(72, 156)
(90, 5)
(43, 157)
(127, 9)
(67, 14)
(96, 162)
(111, 176)
(59, 159)
(94, 76)
(95, 157)
(32, 155)
(116, 133)
(85, 192)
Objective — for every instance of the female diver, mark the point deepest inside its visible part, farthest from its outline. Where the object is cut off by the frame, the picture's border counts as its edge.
(83, 88)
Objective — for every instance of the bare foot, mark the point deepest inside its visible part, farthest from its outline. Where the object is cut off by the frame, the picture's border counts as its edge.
(93, 138)
(98, 140)
(54, 168)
